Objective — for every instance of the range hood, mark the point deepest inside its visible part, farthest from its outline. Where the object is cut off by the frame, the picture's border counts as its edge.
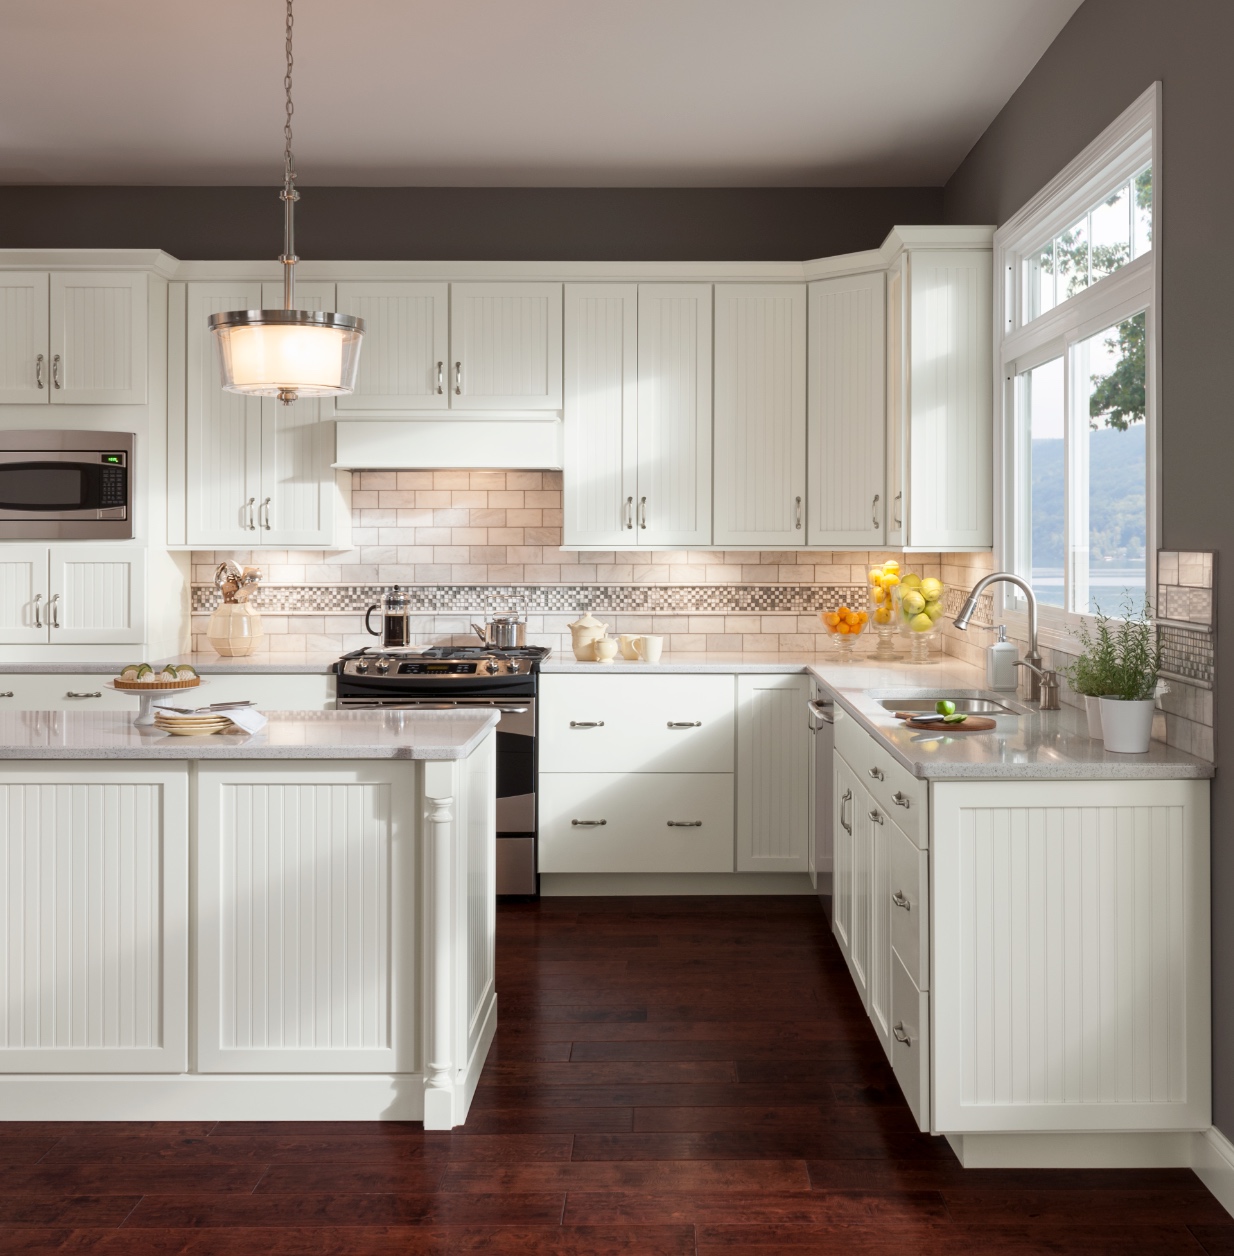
(439, 444)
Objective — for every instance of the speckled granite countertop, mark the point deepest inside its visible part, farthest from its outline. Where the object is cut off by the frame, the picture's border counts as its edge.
(318, 664)
(289, 735)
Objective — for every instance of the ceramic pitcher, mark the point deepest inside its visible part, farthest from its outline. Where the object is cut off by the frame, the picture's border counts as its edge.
(584, 633)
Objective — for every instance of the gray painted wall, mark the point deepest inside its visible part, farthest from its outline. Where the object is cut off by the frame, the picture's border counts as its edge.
(1108, 53)
(485, 224)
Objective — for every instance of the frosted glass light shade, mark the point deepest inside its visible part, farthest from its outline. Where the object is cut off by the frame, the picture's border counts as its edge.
(287, 353)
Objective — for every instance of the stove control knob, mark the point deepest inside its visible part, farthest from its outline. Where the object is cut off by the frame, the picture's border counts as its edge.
(383, 666)
(362, 666)
(512, 666)
(491, 667)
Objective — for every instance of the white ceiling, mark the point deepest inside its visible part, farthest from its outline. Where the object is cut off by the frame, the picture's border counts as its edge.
(511, 92)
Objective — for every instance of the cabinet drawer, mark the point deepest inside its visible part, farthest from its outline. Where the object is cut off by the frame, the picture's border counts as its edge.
(910, 1047)
(909, 906)
(637, 723)
(601, 822)
(279, 692)
(51, 692)
(892, 785)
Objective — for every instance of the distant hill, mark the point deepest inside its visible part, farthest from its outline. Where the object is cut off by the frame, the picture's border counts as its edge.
(1116, 496)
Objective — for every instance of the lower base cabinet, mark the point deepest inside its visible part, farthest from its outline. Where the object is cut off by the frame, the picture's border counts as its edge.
(910, 1041)
(665, 822)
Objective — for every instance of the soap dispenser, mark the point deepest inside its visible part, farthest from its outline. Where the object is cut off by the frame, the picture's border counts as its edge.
(1000, 662)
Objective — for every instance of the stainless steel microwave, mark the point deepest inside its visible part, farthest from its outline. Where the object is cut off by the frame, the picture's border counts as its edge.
(62, 486)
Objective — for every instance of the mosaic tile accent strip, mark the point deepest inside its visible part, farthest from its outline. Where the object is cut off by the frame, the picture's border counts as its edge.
(1185, 583)
(953, 599)
(317, 599)
(1188, 654)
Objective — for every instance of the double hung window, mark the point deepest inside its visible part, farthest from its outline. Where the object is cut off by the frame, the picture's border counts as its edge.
(1077, 363)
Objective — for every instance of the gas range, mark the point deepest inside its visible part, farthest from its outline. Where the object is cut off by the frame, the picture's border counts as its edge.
(466, 667)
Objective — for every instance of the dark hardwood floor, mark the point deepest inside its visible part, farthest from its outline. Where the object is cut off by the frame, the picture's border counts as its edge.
(670, 1076)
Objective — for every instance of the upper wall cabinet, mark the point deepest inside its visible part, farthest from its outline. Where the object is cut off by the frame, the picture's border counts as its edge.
(73, 338)
(940, 436)
(848, 505)
(760, 414)
(463, 346)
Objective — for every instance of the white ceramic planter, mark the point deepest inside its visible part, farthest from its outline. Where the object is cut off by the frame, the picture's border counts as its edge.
(235, 629)
(1127, 727)
(1092, 707)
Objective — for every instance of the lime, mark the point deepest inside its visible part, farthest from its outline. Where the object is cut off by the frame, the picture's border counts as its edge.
(944, 706)
(921, 623)
(911, 581)
(954, 719)
(931, 589)
(934, 610)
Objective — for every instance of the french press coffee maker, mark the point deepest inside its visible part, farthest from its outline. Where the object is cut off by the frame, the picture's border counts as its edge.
(395, 609)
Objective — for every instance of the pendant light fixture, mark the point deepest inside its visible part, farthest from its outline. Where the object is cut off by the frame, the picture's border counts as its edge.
(288, 353)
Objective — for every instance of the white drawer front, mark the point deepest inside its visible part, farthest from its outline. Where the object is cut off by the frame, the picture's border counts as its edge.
(909, 906)
(902, 795)
(613, 723)
(61, 691)
(271, 692)
(69, 692)
(655, 823)
(910, 1046)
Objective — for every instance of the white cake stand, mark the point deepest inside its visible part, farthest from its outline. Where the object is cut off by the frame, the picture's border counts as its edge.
(147, 694)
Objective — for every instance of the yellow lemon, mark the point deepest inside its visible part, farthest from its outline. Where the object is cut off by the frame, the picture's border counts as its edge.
(932, 589)
(882, 615)
(890, 580)
(911, 580)
(934, 610)
(912, 602)
(879, 595)
(891, 565)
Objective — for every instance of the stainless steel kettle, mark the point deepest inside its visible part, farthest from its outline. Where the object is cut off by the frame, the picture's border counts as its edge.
(506, 631)
(395, 609)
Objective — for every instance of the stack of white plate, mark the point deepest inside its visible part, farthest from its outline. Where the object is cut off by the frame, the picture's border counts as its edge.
(199, 724)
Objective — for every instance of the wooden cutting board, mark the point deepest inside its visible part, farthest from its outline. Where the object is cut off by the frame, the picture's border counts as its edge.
(974, 724)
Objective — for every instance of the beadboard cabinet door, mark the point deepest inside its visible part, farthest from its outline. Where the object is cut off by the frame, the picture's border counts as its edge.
(25, 356)
(222, 430)
(897, 415)
(94, 935)
(848, 495)
(505, 346)
(843, 796)
(773, 769)
(880, 832)
(96, 594)
(98, 338)
(307, 926)
(674, 415)
(601, 414)
(760, 415)
(23, 593)
(406, 350)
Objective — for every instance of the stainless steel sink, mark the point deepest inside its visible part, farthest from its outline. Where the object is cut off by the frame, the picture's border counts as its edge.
(963, 706)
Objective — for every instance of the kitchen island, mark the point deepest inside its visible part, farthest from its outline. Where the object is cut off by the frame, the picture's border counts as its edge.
(293, 924)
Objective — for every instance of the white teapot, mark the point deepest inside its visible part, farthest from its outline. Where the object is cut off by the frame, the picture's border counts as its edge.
(584, 633)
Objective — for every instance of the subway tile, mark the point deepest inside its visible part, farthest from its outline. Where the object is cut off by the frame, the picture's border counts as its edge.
(434, 499)
(468, 573)
(686, 643)
(758, 574)
(451, 479)
(452, 518)
(468, 536)
(378, 479)
(550, 498)
(526, 480)
(687, 574)
(451, 553)
(432, 573)
(543, 536)
(488, 554)
(360, 499)
(414, 518)
(506, 536)
(521, 518)
(523, 553)
(614, 573)
(392, 499)
(415, 479)
(722, 573)
(378, 518)
(506, 498)
(429, 536)
(505, 573)
(489, 518)
(723, 641)
(578, 573)
(487, 480)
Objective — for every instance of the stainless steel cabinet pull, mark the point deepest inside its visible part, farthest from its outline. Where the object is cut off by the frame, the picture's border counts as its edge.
(846, 798)
(901, 1034)
(251, 526)
(896, 512)
(824, 711)
(628, 513)
(684, 824)
(265, 514)
(798, 514)
(685, 723)
(900, 900)
(38, 611)
(508, 710)
(876, 773)
(441, 377)
(73, 693)
(588, 824)
(642, 512)
(53, 610)
(901, 800)
(38, 370)
(874, 509)
(586, 723)
(876, 815)
(55, 370)
(8, 693)
(458, 379)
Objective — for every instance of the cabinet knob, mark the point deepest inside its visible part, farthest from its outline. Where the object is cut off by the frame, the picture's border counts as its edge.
(901, 1034)
(875, 815)
(901, 800)
(876, 774)
(900, 899)
(8, 693)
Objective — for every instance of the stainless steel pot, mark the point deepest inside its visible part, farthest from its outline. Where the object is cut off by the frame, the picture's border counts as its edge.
(502, 632)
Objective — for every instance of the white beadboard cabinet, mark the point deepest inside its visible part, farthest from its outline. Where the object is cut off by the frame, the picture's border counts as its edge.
(847, 415)
(844, 789)
(406, 349)
(940, 427)
(94, 939)
(505, 346)
(760, 415)
(638, 419)
(773, 769)
(73, 337)
(72, 594)
(258, 474)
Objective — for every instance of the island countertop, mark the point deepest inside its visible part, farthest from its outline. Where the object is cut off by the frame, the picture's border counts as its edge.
(288, 735)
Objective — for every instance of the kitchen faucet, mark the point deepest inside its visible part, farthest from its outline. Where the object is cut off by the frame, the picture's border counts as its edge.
(1043, 683)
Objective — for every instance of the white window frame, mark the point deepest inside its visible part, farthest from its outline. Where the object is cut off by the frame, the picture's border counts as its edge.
(1131, 140)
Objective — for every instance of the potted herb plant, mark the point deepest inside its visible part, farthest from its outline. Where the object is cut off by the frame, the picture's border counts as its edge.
(1092, 674)
(1127, 706)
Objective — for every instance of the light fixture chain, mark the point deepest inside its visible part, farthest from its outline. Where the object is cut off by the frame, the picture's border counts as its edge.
(289, 162)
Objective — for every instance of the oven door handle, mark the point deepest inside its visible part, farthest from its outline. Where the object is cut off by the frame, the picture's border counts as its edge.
(413, 705)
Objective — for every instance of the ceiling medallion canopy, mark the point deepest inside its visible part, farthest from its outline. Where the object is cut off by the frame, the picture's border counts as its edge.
(288, 353)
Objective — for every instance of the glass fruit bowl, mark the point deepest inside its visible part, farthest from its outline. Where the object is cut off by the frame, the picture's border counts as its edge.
(844, 625)
(917, 607)
(884, 577)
